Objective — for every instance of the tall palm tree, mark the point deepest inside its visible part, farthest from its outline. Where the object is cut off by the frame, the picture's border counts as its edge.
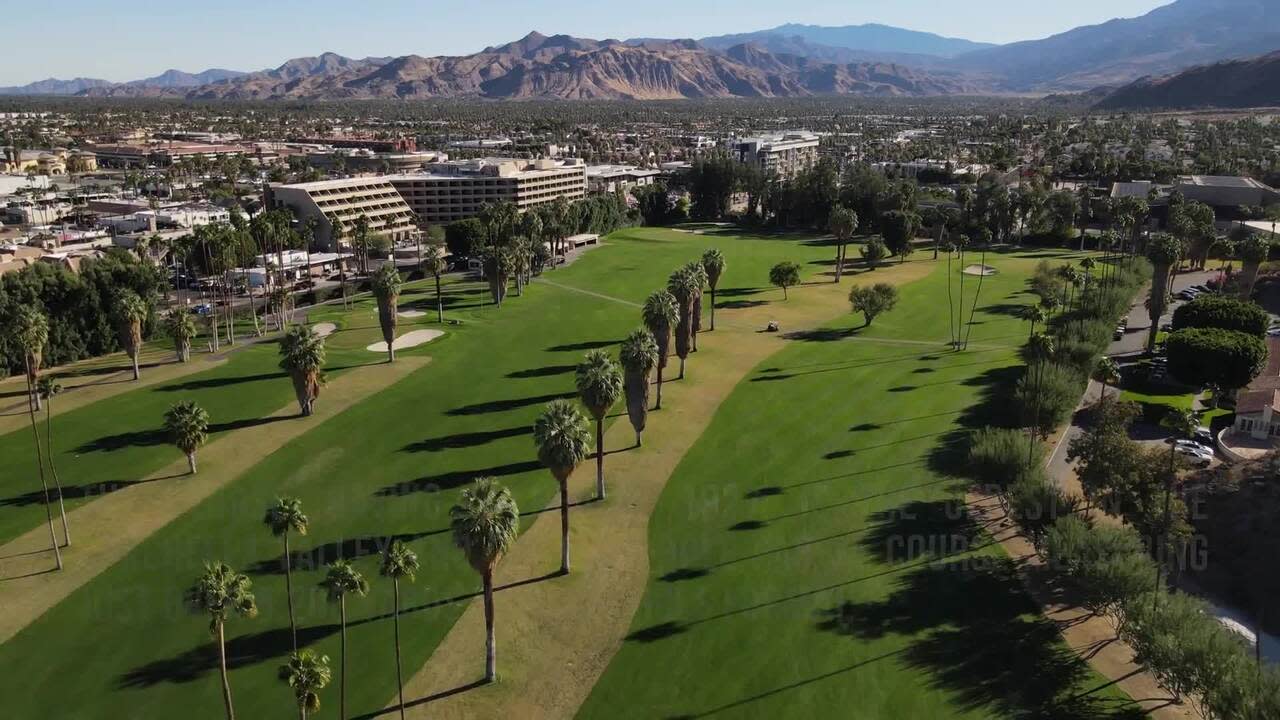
(1163, 250)
(1107, 372)
(188, 426)
(221, 593)
(485, 523)
(131, 311)
(386, 288)
(182, 327)
(306, 674)
(563, 441)
(46, 389)
(399, 563)
(339, 234)
(599, 385)
(841, 223)
(1039, 349)
(302, 356)
(698, 278)
(282, 518)
(639, 356)
(660, 314)
(29, 333)
(1253, 252)
(713, 266)
(343, 580)
(434, 264)
(1034, 315)
(683, 287)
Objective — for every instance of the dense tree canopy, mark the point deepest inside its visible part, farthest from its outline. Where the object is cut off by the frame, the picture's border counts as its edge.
(1220, 311)
(1210, 356)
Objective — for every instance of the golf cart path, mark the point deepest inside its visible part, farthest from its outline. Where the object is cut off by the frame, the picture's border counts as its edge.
(556, 637)
(104, 531)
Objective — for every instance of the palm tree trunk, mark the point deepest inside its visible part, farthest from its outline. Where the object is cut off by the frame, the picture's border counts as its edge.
(288, 591)
(658, 405)
(839, 258)
(342, 683)
(713, 308)
(191, 463)
(57, 484)
(48, 509)
(563, 525)
(600, 458)
(222, 665)
(439, 302)
(491, 640)
(133, 353)
(396, 629)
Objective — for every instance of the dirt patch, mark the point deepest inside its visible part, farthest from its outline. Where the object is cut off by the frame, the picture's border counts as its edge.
(408, 340)
(979, 270)
(106, 530)
(411, 313)
(549, 659)
(324, 329)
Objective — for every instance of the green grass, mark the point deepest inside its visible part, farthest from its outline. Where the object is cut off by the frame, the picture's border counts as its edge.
(391, 465)
(810, 556)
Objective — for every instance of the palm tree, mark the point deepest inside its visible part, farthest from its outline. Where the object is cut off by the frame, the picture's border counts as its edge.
(386, 288)
(339, 233)
(1035, 315)
(220, 593)
(399, 563)
(182, 327)
(638, 356)
(306, 674)
(485, 523)
(698, 277)
(599, 385)
(1039, 349)
(434, 264)
(302, 356)
(842, 222)
(1163, 251)
(1253, 252)
(342, 580)
(1108, 373)
(285, 517)
(29, 333)
(46, 389)
(563, 441)
(683, 286)
(660, 314)
(131, 311)
(188, 426)
(713, 265)
(1183, 423)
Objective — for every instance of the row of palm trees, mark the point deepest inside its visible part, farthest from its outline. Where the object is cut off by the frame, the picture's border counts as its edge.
(486, 519)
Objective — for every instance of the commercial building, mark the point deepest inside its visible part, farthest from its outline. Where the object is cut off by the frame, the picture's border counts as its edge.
(343, 202)
(459, 189)
(382, 145)
(1226, 192)
(130, 155)
(615, 178)
(783, 155)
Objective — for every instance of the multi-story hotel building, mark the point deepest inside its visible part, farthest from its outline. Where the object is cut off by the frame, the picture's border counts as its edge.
(459, 189)
(783, 155)
(343, 202)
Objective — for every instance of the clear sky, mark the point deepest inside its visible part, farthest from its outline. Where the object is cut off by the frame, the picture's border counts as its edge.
(130, 40)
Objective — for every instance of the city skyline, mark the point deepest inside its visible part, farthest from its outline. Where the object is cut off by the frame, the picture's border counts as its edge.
(89, 48)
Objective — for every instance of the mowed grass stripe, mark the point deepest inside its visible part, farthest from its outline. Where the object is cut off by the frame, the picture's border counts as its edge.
(811, 556)
(389, 466)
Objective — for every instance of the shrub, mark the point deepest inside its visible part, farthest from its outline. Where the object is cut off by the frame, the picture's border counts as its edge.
(1210, 356)
(1046, 395)
(1000, 457)
(1036, 504)
(1219, 311)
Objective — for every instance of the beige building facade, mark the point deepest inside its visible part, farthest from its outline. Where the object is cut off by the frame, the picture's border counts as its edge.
(458, 190)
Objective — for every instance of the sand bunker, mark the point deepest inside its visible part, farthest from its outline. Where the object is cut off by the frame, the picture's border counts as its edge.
(408, 340)
(979, 270)
(410, 313)
(324, 329)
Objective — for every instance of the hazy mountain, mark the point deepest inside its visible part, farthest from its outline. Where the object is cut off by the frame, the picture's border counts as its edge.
(867, 38)
(53, 86)
(1231, 84)
(1165, 40)
(560, 66)
(178, 78)
(796, 45)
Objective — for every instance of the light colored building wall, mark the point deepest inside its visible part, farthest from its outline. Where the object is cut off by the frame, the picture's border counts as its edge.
(343, 202)
(439, 199)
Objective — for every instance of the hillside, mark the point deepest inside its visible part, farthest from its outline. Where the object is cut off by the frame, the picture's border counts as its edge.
(1233, 84)
(869, 38)
(1165, 40)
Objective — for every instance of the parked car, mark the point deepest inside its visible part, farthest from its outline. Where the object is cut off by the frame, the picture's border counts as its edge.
(202, 309)
(1204, 435)
(1119, 333)
(1197, 457)
(1192, 444)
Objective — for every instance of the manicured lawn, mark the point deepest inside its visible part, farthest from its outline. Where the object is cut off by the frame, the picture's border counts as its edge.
(391, 466)
(810, 556)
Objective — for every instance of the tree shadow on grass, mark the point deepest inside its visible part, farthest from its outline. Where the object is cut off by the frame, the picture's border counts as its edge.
(588, 345)
(454, 478)
(466, 440)
(920, 530)
(158, 436)
(740, 304)
(546, 371)
(504, 405)
(219, 382)
(77, 492)
(980, 640)
(317, 557)
(242, 651)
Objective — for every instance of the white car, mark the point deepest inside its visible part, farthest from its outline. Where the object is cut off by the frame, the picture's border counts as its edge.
(1193, 445)
(1197, 457)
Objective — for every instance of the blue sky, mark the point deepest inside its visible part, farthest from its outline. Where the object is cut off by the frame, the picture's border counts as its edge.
(130, 40)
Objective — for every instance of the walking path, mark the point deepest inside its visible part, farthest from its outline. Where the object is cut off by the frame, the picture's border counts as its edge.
(104, 531)
(570, 627)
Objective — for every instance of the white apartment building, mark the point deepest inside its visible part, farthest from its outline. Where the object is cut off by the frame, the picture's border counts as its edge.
(783, 155)
(343, 202)
(459, 189)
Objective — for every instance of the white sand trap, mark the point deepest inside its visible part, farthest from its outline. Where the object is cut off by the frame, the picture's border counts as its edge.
(324, 329)
(407, 340)
(410, 313)
(980, 270)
